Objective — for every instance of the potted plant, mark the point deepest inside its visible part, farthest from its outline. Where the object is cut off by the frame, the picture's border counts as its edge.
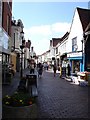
(19, 105)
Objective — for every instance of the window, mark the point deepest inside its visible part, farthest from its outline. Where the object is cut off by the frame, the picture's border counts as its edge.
(74, 44)
(57, 50)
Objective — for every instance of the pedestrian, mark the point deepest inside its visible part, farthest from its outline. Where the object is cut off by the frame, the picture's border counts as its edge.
(54, 69)
(60, 71)
(32, 68)
(40, 69)
(68, 70)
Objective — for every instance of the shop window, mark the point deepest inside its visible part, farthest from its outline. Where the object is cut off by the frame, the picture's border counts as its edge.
(76, 66)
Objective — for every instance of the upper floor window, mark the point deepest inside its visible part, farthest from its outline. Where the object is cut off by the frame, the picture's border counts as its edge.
(74, 44)
(56, 50)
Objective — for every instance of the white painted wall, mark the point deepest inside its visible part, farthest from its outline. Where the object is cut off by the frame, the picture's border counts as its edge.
(18, 41)
(52, 52)
(27, 53)
(62, 47)
(39, 59)
(76, 31)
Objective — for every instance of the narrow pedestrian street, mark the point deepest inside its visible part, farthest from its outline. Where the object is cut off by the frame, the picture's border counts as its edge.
(44, 59)
(57, 98)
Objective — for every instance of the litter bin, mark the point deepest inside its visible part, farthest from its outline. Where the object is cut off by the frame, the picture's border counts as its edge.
(32, 84)
(32, 79)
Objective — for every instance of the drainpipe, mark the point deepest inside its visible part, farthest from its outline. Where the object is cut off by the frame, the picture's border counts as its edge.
(82, 57)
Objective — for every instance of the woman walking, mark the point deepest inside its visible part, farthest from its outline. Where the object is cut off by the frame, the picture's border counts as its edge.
(40, 69)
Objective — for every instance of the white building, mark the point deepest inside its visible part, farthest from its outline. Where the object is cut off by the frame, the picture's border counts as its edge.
(61, 50)
(75, 40)
(17, 28)
(52, 48)
(26, 56)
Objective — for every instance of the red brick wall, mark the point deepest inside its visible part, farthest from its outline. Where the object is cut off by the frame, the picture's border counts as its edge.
(6, 11)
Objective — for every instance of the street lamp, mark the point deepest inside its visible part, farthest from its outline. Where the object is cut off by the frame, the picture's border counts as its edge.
(22, 46)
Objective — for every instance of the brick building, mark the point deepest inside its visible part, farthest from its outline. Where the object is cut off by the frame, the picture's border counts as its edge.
(6, 30)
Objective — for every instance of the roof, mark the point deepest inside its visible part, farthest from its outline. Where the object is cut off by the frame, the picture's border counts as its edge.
(84, 15)
(56, 41)
(88, 27)
(65, 35)
(46, 52)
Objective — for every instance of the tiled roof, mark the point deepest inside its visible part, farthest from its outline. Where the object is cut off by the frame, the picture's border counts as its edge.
(88, 27)
(56, 41)
(84, 15)
(65, 35)
(46, 52)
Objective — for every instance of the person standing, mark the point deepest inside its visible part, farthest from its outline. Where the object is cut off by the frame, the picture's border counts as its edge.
(40, 69)
(54, 69)
(32, 68)
(60, 71)
(68, 70)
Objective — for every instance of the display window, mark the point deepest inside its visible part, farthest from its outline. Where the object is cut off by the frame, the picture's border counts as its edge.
(76, 66)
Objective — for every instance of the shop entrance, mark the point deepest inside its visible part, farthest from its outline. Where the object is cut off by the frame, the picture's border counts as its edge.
(75, 66)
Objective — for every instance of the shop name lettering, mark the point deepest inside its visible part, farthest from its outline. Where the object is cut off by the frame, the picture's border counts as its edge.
(74, 54)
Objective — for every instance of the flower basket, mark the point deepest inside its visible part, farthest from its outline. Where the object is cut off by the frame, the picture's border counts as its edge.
(18, 99)
(19, 105)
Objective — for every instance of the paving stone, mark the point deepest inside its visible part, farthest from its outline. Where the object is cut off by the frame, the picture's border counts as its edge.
(60, 98)
(57, 98)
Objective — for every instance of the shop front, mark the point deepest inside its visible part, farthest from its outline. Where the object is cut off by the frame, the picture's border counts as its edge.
(64, 62)
(75, 60)
(5, 50)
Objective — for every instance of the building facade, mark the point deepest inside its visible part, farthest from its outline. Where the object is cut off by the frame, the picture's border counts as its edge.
(87, 48)
(17, 27)
(75, 49)
(6, 31)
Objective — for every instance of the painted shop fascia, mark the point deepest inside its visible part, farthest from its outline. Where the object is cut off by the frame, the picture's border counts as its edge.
(75, 60)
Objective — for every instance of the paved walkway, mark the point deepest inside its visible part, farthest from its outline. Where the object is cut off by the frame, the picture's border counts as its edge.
(57, 98)
(9, 89)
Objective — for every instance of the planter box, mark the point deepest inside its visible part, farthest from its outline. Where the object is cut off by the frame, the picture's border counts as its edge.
(19, 112)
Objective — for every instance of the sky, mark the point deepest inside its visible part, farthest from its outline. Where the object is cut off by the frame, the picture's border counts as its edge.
(45, 20)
